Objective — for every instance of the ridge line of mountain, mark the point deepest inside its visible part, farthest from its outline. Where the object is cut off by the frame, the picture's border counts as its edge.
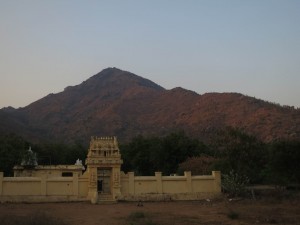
(117, 102)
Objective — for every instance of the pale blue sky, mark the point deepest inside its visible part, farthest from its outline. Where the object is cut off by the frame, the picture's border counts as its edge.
(251, 47)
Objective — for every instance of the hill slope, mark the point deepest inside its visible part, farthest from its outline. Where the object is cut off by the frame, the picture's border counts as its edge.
(116, 102)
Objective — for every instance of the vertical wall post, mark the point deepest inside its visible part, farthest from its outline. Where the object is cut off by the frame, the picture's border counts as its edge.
(93, 177)
(43, 184)
(217, 181)
(188, 176)
(159, 184)
(75, 184)
(116, 181)
(131, 182)
(1, 181)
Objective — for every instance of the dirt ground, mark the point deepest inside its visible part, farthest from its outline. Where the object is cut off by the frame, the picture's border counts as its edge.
(221, 211)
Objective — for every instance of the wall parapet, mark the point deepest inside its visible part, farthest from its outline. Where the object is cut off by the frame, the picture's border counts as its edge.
(42, 189)
(133, 188)
(21, 179)
(163, 188)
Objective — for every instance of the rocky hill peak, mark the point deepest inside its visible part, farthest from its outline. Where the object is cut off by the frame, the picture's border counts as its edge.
(120, 103)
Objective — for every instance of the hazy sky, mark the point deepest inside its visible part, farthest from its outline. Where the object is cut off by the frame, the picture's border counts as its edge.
(246, 46)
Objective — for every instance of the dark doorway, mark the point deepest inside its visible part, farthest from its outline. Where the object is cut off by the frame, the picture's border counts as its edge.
(100, 185)
(104, 180)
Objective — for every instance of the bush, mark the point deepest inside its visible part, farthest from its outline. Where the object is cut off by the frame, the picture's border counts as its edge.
(235, 184)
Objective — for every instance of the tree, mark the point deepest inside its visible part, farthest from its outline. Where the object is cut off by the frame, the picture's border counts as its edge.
(140, 155)
(59, 153)
(201, 165)
(12, 149)
(147, 155)
(283, 163)
(242, 153)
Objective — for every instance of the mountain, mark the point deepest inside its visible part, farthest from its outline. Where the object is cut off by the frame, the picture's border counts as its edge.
(120, 103)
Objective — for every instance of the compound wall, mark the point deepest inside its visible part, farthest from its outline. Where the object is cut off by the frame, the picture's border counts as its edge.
(133, 188)
(43, 189)
(158, 187)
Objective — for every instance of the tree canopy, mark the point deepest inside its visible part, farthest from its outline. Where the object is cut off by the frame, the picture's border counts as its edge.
(144, 156)
(233, 150)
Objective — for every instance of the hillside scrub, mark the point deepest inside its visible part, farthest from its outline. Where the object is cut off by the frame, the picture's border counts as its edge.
(274, 163)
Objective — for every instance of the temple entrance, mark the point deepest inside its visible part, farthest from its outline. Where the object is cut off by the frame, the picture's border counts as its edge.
(104, 162)
(104, 181)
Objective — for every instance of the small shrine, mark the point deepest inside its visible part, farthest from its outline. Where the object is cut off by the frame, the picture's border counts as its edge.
(104, 167)
(29, 168)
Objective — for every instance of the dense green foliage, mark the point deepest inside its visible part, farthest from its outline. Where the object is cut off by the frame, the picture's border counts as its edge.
(283, 163)
(59, 153)
(241, 153)
(233, 150)
(144, 156)
(12, 148)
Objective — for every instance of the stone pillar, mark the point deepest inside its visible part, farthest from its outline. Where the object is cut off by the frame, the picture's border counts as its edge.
(159, 185)
(188, 176)
(217, 181)
(131, 182)
(93, 193)
(116, 182)
(1, 181)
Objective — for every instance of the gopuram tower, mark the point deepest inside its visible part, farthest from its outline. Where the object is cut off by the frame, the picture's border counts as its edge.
(104, 166)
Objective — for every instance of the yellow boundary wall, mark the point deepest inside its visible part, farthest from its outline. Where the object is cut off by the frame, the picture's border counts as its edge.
(43, 189)
(133, 188)
(162, 188)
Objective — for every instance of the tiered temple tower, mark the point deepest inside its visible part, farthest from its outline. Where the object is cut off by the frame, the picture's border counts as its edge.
(104, 165)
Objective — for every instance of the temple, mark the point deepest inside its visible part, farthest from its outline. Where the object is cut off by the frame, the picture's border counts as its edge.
(102, 181)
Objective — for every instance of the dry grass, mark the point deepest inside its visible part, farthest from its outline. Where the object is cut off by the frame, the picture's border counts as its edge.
(263, 211)
(34, 218)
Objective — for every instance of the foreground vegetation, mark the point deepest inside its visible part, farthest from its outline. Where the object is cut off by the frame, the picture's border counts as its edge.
(240, 157)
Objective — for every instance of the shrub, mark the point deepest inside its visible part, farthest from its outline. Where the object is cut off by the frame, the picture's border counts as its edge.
(235, 184)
